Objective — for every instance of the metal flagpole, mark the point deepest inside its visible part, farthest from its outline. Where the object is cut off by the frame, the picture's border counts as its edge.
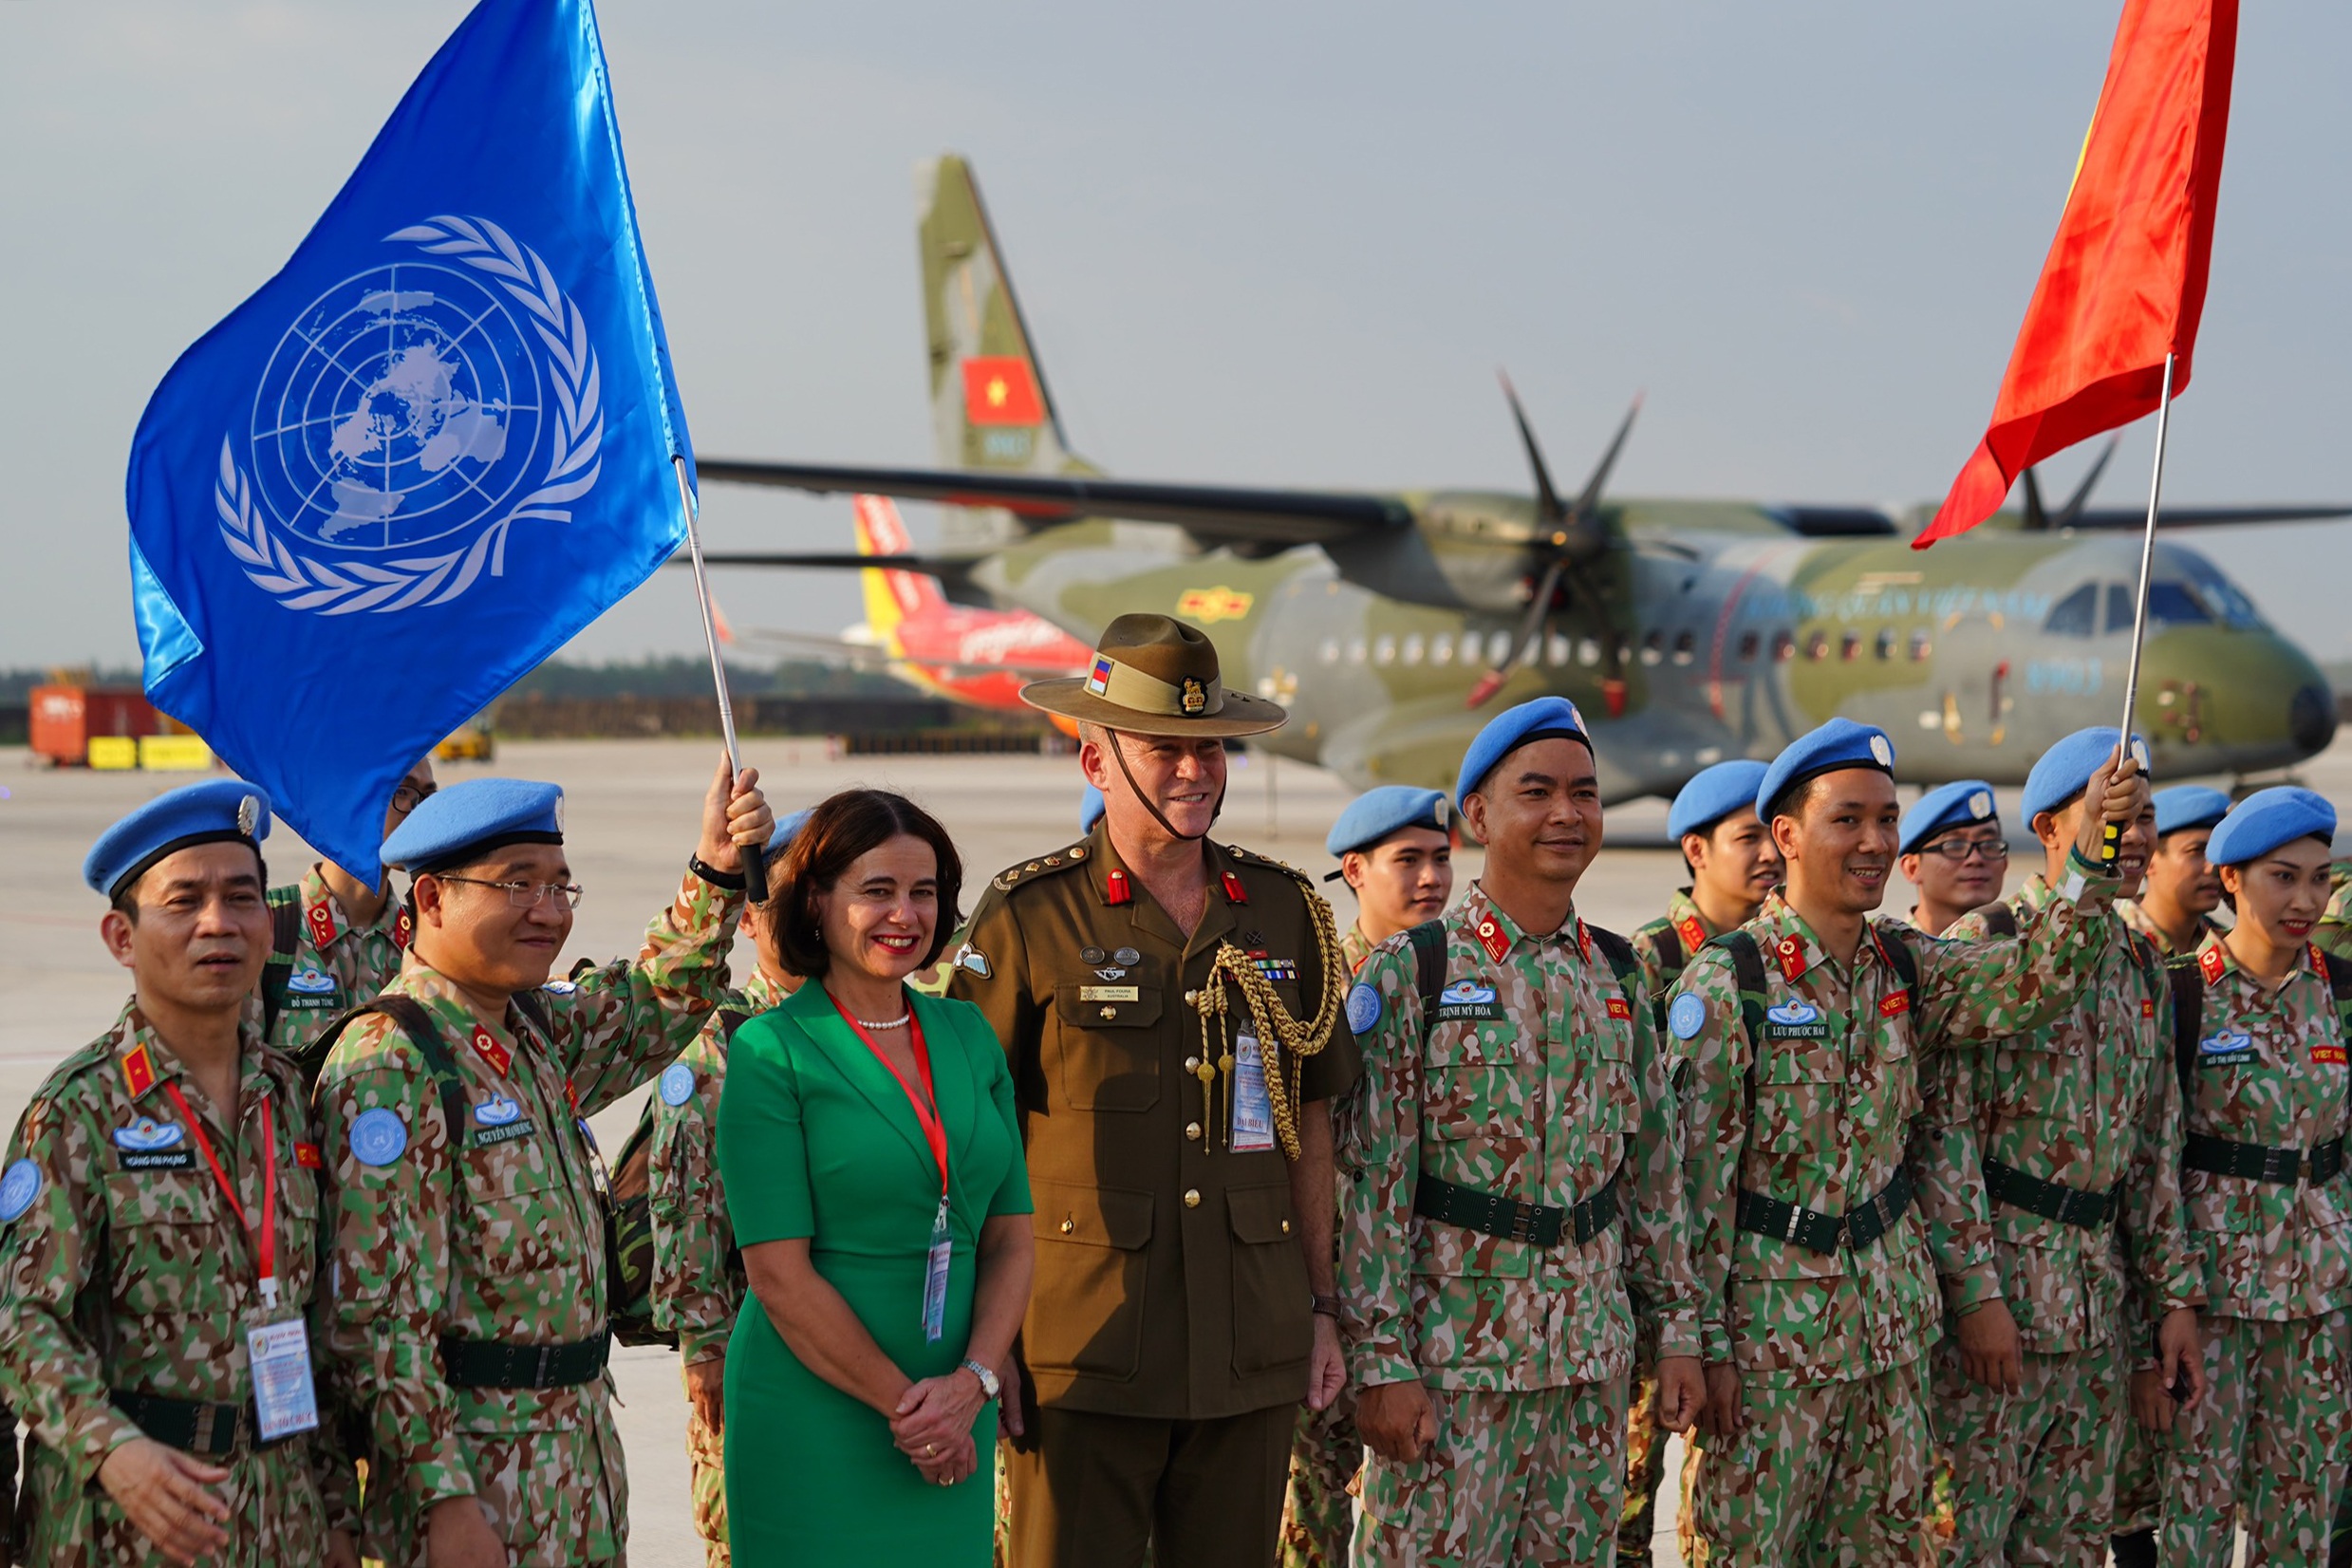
(2147, 564)
(755, 858)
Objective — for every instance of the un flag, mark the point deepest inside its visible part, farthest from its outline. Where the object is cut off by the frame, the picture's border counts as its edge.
(425, 453)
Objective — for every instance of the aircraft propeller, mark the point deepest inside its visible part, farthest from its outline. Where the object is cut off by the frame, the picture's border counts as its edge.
(2038, 520)
(1569, 534)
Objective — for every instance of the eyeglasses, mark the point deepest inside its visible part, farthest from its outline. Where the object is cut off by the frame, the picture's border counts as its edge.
(1958, 850)
(406, 798)
(528, 895)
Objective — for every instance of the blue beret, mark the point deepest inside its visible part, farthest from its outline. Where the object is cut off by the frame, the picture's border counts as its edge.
(1835, 746)
(216, 811)
(464, 822)
(1091, 808)
(1961, 803)
(2066, 768)
(1374, 815)
(2267, 819)
(1712, 796)
(2188, 806)
(1513, 728)
(786, 827)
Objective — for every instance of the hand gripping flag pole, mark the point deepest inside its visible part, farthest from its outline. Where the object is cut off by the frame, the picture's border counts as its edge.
(754, 856)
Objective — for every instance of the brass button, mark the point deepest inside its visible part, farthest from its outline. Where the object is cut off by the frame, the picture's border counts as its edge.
(1192, 1197)
(1286, 1228)
(1192, 1064)
(1110, 1012)
(1191, 997)
(1192, 1129)
(1069, 1225)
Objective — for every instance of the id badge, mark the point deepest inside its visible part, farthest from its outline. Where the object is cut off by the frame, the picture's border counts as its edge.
(935, 1277)
(1252, 1113)
(283, 1397)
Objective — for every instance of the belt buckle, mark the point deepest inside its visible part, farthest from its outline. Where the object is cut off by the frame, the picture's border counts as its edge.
(539, 1376)
(1796, 1223)
(1523, 1223)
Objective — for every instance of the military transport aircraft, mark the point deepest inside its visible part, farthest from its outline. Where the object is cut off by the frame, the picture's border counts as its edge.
(1690, 631)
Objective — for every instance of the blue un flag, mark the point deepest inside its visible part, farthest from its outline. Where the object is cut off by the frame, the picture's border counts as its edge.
(430, 450)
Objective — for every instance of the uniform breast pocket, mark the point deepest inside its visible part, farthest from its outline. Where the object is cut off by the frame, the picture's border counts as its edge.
(518, 1207)
(1087, 1315)
(168, 1241)
(2041, 1077)
(1612, 1092)
(1800, 1083)
(1470, 1082)
(1108, 1039)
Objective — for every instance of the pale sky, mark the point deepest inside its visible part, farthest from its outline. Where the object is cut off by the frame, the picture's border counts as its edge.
(1283, 245)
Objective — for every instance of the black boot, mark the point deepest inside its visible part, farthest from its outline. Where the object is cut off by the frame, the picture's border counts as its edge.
(2137, 1549)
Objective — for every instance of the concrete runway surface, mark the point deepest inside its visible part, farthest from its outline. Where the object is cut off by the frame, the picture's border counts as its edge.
(631, 809)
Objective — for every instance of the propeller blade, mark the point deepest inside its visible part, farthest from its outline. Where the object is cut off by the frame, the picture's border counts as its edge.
(2037, 517)
(1594, 486)
(2081, 496)
(1530, 628)
(1548, 504)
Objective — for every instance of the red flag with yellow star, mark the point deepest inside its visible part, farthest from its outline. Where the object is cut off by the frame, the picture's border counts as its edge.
(1001, 389)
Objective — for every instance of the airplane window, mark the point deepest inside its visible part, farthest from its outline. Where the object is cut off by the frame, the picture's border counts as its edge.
(1817, 646)
(2076, 615)
(1469, 647)
(1384, 651)
(1783, 648)
(1588, 652)
(1441, 650)
(1498, 647)
(2224, 598)
(1686, 647)
(1885, 646)
(1414, 648)
(1331, 651)
(2119, 605)
(1356, 650)
(1557, 647)
(1921, 645)
(2176, 604)
(1749, 641)
(1654, 647)
(1850, 646)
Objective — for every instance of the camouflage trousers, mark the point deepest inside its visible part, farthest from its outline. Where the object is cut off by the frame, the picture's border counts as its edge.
(276, 1514)
(2139, 1496)
(1645, 1472)
(1514, 1481)
(2266, 1446)
(2033, 1471)
(1826, 1475)
(1318, 1512)
(706, 1452)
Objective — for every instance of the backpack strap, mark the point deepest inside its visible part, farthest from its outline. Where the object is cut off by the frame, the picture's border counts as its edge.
(1748, 973)
(1895, 948)
(2000, 920)
(1429, 940)
(284, 940)
(2188, 1007)
(1622, 963)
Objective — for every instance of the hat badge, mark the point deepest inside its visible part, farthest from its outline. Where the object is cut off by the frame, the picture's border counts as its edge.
(248, 814)
(1980, 804)
(1883, 751)
(1195, 698)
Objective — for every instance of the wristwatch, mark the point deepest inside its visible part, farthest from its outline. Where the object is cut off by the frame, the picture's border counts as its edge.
(732, 882)
(987, 1379)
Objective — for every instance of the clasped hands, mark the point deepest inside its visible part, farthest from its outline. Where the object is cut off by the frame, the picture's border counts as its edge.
(932, 1426)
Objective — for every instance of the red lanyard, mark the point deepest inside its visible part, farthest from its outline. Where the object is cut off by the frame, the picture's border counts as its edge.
(265, 1239)
(926, 1111)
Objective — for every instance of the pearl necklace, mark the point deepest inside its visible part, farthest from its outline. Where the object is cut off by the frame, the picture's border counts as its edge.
(884, 1023)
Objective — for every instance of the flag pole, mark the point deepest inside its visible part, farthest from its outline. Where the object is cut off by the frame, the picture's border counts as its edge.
(2147, 566)
(755, 858)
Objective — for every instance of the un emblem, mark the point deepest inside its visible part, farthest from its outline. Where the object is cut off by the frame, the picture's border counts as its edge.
(408, 418)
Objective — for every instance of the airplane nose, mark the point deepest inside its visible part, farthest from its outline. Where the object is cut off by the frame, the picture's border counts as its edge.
(2312, 717)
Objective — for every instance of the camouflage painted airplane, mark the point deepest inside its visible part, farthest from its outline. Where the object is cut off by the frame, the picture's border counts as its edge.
(1689, 630)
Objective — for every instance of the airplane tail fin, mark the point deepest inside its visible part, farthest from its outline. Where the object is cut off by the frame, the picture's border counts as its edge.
(892, 597)
(990, 405)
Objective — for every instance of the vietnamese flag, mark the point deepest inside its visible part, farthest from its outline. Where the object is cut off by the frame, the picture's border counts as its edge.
(2124, 284)
(1001, 390)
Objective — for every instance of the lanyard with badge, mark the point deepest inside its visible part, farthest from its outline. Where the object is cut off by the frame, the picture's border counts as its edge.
(285, 1399)
(935, 1133)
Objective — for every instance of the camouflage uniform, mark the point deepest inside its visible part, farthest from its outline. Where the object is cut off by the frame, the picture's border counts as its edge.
(335, 964)
(518, 1255)
(697, 1276)
(2089, 1102)
(1542, 1082)
(1326, 1451)
(1831, 1462)
(140, 1277)
(2334, 932)
(2266, 1446)
(1667, 945)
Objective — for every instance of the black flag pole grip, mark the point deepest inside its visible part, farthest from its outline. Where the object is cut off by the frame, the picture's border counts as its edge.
(754, 855)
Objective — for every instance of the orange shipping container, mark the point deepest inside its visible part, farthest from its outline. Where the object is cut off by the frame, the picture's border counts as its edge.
(66, 717)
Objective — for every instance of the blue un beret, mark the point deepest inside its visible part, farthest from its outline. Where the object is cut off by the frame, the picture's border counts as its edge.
(216, 811)
(2065, 769)
(2188, 806)
(1091, 808)
(1512, 728)
(787, 829)
(2267, 819)
(1961, 803)
(1374, 815)
(1835, 746)
(1713, 794)
(466, 821)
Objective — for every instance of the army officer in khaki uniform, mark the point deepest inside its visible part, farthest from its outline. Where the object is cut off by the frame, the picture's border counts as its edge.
(1172, 1008)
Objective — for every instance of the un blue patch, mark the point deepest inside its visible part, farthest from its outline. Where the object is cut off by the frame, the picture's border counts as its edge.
(677, 1084)
(1686, 1016)
(378, 1136)
(18, 1188)
(1363, 1008)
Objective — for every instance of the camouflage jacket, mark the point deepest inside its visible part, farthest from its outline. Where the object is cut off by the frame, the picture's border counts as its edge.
(1354, 947)
(2335, 930)
(2088, 1100)
(1667, 945)
(2136, 918)
(698, 1277)
(337, 965)
(1539, 1080)
(124, 1266)
(518, 1255)
(2269, 1070)
(1820, 1113)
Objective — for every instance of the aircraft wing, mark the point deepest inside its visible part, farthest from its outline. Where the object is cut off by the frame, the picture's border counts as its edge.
(1219, 514)
(867, 655)
(2206, 516)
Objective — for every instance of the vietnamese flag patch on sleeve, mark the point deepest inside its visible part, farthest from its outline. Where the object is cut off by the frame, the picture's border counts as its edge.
(1000, 389)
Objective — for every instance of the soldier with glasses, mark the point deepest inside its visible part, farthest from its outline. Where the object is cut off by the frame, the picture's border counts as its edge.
(1952, 851)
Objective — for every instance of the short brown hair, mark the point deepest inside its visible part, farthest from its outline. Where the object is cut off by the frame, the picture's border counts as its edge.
(841, 828)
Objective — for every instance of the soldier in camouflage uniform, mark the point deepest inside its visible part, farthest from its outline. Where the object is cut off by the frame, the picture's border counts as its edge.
(1951, 848)
(2268, 1209)
(159, 1206)
(2334, 932)
(1395, 851)
(2065, 1139)
(1818, 1298)
(699, 1283)
(1514, 1180)
(469, 1236)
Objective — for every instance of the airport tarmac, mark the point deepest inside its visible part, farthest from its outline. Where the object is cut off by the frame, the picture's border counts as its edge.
(631, 809)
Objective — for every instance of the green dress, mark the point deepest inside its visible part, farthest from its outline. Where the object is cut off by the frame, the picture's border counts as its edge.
(816, 1139)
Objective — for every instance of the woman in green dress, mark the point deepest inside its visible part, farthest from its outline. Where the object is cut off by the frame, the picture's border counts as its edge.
(861, 1382)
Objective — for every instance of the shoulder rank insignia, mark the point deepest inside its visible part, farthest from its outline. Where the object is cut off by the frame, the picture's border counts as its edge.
(2210, 964)
(1694, 935)
(1031, 870)
(1491, 938)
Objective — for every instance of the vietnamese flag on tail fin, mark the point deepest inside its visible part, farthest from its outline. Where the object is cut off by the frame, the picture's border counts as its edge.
(1000, 389)
(2124, 284)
